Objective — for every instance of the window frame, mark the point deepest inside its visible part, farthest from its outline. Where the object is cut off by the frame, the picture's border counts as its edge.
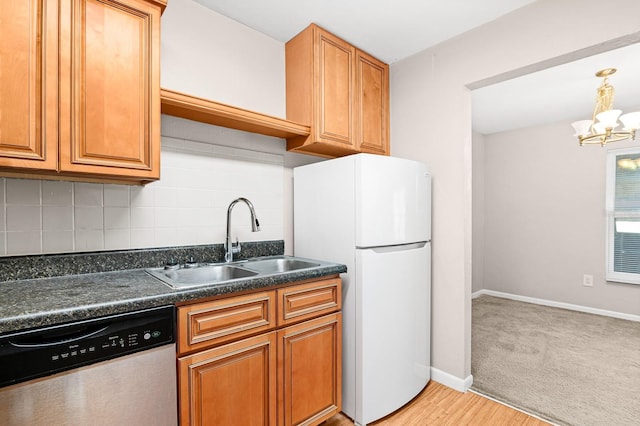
(611, 215)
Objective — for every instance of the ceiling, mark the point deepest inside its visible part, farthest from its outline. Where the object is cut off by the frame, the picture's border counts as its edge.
(389, 30)
(563, 93)
(394, 30)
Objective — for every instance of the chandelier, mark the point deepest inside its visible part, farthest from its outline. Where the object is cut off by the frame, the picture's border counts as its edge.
(601, 129)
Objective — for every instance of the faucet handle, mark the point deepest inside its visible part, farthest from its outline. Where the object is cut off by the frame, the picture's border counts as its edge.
(230, 251)
(236, 247)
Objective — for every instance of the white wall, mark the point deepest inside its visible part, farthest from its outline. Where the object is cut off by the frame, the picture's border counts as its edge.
(431, 122)
(545, 219)
(208, 55)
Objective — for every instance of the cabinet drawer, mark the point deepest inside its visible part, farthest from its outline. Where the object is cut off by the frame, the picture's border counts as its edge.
(304, 301)
(207, 324)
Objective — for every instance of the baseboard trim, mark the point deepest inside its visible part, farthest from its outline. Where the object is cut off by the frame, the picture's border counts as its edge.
(554, 304)
(451, 381)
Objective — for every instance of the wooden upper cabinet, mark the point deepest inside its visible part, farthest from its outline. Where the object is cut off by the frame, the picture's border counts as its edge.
(29, 84)
(110, 82)
(80, 89)
(340, 91)
(335, 85)
(372, 105)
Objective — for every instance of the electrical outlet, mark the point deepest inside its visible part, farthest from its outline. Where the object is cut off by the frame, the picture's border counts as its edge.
(587, 280)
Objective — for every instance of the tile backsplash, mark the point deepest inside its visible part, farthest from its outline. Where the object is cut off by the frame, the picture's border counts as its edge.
(188, 206)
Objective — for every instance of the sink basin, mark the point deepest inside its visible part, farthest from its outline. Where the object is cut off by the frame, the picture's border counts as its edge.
(220, 273)
(201, 275)
(278, 265)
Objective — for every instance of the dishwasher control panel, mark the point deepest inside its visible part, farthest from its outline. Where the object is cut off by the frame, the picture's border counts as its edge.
(40, 352)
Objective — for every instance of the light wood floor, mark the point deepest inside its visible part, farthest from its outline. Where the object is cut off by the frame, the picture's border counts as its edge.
(440, 405)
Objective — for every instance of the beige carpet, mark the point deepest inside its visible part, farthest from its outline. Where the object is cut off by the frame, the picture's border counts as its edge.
(568, 367)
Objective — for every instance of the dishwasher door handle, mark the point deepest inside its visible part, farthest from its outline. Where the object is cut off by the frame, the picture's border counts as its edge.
(58, 341)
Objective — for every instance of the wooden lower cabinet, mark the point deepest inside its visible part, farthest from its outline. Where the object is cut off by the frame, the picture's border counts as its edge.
(233, 384)
(289, 372)
(209, 324)
(310, 371)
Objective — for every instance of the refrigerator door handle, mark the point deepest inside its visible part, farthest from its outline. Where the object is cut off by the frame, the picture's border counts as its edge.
(398, 247)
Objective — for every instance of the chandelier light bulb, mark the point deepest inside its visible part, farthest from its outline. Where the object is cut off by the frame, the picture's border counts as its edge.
(631, 121)
(609, 119)
(582, 127)
(601, 129)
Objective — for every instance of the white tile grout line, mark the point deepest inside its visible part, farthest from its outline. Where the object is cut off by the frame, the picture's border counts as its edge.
(511, 406)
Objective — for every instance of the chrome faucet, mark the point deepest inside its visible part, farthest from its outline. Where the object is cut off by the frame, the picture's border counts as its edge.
(229, 246)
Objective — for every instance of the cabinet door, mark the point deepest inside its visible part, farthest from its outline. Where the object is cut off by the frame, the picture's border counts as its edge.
(342, 92)
(335, 89)
(232, 384)
(29, 84)
(310, 371)
(372, 105)
(110, 90)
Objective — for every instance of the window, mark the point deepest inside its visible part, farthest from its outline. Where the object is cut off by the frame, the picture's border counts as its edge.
(623, 215)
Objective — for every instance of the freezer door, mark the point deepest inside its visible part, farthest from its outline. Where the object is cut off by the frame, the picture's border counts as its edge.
(393, 201)
(393, 327)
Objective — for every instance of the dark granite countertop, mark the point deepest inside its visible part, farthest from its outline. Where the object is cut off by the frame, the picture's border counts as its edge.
(30, 303)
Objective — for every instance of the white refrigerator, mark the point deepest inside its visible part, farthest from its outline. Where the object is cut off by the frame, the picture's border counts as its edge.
(373, 214)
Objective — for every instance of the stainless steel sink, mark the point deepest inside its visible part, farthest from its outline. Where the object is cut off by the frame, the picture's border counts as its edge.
(194, 275)
(200, 275)
(278, 265)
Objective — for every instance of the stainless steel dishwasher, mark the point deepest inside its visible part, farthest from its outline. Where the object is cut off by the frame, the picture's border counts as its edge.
(114, 370)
